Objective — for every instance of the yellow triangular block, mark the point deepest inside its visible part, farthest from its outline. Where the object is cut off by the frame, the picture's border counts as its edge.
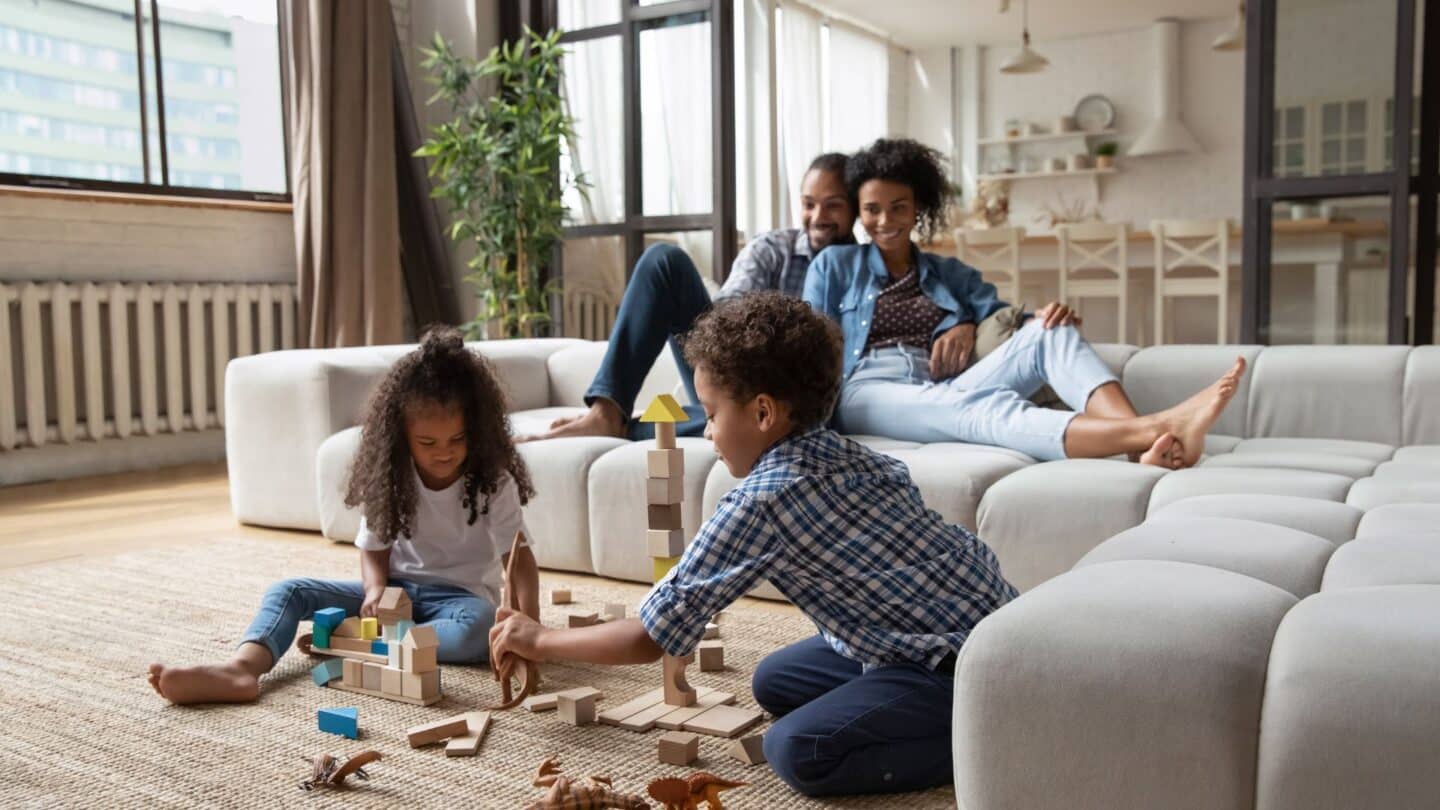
(664, 408)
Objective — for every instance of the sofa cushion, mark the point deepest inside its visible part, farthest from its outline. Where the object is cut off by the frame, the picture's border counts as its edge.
(1210, 480)
(1400, 519)
(953, 478)
(1348, 466)
(1133, 684)
(1333, 521)
(1043, 518)
(1286, 558)
(1422, 391)
(1419, 454)
(1394, 560)
(332, 469)
(1351, 704)
(572, 369)
(521, 366)
(1220, 443)
(558, 517)
(1407, 471)
(535, 421)
(1319, 392)
(1159, 377)
(1370, 451)
(1369, 493)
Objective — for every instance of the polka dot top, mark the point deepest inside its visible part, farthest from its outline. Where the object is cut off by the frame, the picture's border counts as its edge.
(904, 314)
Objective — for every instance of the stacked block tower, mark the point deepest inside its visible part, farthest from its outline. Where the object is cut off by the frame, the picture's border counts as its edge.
(665, 486)
(385, 656)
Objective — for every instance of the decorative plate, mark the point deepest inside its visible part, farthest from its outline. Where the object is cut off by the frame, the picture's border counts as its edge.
(1094, 112)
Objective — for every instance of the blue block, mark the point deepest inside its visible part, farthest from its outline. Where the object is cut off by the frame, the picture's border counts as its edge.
(401, 628)
(320, 639)
(343, 721)
(329, 618)
(328, 670)
(379, 647)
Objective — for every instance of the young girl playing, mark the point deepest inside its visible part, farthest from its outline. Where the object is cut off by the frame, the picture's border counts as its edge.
(441, 487)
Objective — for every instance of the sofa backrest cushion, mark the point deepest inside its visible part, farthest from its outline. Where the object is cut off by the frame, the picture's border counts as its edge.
(572, 369)
(1422, 396)
(1329, 392)
(521, 366)
(1161, 376)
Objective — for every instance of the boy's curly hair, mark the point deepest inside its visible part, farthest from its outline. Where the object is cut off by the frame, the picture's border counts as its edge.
(442, 372)
(770, 343)
(912, 163)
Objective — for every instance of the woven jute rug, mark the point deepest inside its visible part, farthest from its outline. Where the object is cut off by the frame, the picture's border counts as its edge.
(81, 727)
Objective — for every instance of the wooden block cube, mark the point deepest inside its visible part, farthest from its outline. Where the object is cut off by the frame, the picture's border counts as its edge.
(712, 656)
(679, 748)
(665, 463)
(352, 673)
(665, 542)
(712, 631)
(369, 628)
(662, 565)
(371, 676)
(390, 679)
(329, 618)
(320, 637)
(420, 660)
(560, 596)
(664, 490)
(420, 685)
(380, 647)
(665, 516)
(577, 711)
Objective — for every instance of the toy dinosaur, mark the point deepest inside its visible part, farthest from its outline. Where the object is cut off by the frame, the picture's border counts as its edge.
(529, 673)
(687, 794)
(567, 795)
(330, 770)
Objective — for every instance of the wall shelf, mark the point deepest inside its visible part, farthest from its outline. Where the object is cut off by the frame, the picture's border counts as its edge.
(1046, 175)
(1048, 136)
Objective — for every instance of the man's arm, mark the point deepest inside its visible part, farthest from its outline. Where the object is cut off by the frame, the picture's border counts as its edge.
(756, 268)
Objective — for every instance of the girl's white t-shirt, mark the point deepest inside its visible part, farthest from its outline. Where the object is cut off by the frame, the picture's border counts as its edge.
(444, 550)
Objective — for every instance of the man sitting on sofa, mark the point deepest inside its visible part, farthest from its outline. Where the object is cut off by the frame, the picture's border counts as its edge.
(665, 296)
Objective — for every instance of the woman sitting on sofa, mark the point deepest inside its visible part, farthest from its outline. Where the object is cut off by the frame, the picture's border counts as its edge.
(909, 320)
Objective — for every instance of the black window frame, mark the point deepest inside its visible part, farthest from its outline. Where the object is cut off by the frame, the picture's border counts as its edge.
(164, 188)
(1262, 189)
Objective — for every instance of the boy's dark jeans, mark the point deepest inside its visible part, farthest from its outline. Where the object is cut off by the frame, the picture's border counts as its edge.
(662, 301)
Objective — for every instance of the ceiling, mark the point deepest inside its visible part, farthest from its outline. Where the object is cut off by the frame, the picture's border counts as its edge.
(942, 23)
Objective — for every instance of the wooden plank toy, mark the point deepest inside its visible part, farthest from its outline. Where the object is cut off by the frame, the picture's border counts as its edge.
(712, 656)
(435, 732)
(328, 670)
(344, 721)
(613, 715)
(679, 748)
(749, 750)
(560, 596)
(467, 744)
(723, 721)
(583, 619)
(547, 703)
(705, 700)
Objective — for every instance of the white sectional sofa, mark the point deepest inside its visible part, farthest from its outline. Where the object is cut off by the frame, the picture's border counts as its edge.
(1258, 631)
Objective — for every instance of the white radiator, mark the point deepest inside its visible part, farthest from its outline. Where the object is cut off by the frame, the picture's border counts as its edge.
(109, 361)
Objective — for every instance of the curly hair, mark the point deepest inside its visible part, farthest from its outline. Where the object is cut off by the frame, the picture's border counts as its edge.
(770, 343)
(912, 163)
(441, 372)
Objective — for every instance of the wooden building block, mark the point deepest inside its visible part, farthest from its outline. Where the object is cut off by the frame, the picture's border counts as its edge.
(723, 721)
(343, 721)
(677, 690)
(465, 745)
(584, 619)
(712, 656)
(712, 631)
(705, 700)
(420, 644)
(664, 436)
(613, 715)
(679, 748)
(396, 657)
(660, 566)
(665, 517)
(369, 628)
(546, 703)
(435, 732)
(402, 628)
(577, 711)
(328, 670)
(371, 679)
(664, 490)
(352, 672)
(347, 644)
(328, 618)
(320, 637)
(614, 610)
(560, 596)
(749, 750)
(665, 463)
(420, 685)
(394, 606)
(360, 690)
(665, 542)
(349, 628)
(646, 718)
(390, 681)
(379, 647)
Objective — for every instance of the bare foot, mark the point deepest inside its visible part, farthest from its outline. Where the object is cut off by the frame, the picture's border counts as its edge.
(213, 683)
(1165, 452)
(603, 419)
(1190, 421)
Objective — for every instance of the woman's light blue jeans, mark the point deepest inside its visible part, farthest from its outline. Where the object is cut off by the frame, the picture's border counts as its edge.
(890, 393)
(462, 620)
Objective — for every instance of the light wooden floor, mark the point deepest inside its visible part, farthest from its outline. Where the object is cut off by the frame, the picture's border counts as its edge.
(112, 514)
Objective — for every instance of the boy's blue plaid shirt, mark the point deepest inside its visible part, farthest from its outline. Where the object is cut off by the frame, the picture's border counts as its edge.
(841, 531)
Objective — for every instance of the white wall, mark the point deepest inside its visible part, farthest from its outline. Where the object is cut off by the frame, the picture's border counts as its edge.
(930, 111)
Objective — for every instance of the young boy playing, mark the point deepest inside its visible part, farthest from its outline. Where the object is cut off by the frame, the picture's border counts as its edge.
(863, 707)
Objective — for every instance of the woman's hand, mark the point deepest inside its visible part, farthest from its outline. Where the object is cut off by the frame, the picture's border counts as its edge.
(515, 633)
(1056, 314)
(950, 353)
(371, 605)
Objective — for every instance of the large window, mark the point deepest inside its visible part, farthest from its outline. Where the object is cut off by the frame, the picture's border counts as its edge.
(83, 106)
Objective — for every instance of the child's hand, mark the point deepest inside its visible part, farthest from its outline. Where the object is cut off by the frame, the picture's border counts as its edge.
(371, 605)
(515, 633)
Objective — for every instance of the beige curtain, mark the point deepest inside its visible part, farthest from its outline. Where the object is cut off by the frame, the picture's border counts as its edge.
(342, 155)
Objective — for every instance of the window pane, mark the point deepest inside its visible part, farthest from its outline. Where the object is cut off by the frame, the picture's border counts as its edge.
(699, 245)
(592, 71)
(1330, 271)
(1295, 122)
(1308, 35)
(675, 99)
(593, 284)
(69, 100)
(223, 120)
(577, 14)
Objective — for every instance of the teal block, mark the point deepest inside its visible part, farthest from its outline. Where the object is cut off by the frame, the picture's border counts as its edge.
(344, 721)
(320, 638)
(329, 618)
(328, 670)
(401, 628)
(379, 647)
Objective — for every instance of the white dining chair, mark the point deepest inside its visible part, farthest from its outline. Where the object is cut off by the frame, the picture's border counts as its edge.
(995, 252)
(1192, 259)
(1094, 263)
